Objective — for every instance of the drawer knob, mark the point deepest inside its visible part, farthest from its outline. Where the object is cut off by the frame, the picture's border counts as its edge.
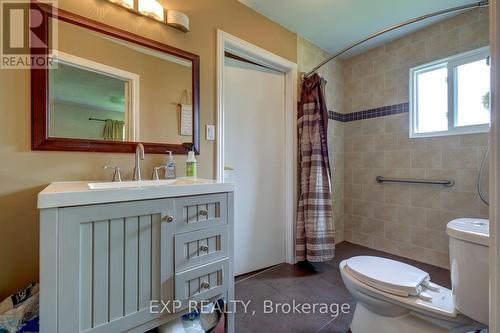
(205, 285)
(204, 248)
(169, 218)
(203, 212)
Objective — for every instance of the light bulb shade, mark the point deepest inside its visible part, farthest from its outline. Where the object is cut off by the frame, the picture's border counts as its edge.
(152, 8)
(124, 3)
(178, 20)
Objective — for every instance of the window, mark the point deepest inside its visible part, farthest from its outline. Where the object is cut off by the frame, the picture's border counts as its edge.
(451, 96)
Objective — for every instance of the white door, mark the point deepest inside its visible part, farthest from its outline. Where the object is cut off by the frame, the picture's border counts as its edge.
(254, 130)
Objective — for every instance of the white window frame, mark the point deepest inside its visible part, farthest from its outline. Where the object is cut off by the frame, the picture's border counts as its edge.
(451, 63)
(132, 125)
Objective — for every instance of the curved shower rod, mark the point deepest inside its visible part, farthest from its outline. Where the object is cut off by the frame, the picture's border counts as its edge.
(481, 4)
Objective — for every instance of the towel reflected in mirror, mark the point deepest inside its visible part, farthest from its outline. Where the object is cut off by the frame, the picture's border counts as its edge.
(114, 130)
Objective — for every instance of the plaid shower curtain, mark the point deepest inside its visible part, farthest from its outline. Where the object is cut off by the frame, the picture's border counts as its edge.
(315, 232)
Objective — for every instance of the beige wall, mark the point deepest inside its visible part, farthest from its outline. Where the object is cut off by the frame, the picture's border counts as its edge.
(23, 173)
(379, 77)
(408, 220)
(308, 56)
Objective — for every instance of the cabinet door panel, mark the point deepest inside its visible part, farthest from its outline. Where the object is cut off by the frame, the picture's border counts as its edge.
(100, 272)
(69, 278)
(86, 269)
(130, 275)
(112, 267)
(144, 268)
(116, 267)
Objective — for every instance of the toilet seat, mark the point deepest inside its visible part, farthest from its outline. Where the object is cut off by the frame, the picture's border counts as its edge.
(388, 275)
(440, 303)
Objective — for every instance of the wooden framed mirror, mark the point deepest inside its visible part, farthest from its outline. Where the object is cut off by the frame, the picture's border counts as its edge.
(107, 89)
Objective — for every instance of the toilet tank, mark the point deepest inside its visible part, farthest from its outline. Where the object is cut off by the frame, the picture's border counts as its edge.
(469, 255)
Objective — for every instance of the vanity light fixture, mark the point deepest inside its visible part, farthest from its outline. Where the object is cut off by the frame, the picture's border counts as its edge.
(129, 4)
(178, 20)
(155, 10)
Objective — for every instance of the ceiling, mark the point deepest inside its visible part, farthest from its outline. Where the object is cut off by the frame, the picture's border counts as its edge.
(334, 24)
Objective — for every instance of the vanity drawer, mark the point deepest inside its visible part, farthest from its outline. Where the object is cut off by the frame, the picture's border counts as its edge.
(202, 283)
(200, 212)
(200, 247)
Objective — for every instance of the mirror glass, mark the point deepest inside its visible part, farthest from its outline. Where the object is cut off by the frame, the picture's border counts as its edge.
(103, 88)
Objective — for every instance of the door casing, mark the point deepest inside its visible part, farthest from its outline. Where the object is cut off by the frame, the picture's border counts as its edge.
(245, 50)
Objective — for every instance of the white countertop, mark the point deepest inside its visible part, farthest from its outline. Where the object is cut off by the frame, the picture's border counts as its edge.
(64, 194)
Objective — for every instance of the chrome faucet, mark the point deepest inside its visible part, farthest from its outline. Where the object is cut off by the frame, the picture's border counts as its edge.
(156, 175)
(117, 176)
(139, 155)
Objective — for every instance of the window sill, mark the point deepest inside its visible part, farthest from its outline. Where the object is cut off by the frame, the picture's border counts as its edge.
(455, 131)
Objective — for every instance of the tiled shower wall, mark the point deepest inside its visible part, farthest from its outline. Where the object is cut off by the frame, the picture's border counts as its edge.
(409, 220)
(379, 77)
(308, 56)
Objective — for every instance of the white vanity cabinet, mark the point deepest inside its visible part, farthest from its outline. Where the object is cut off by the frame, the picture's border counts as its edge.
(103, 261)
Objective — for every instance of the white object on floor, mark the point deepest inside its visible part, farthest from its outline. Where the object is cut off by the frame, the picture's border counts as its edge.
(209, 317)
(396, 297)
(174, 326)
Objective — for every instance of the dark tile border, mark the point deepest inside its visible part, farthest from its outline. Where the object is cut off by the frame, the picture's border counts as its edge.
(372, 113)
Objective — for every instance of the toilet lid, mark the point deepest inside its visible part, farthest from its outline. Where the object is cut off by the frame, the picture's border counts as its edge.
(388, 275)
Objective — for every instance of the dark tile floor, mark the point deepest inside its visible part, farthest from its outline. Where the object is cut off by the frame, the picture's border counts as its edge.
(316, 283)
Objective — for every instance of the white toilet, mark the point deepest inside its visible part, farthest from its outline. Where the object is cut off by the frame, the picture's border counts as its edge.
(395, 297)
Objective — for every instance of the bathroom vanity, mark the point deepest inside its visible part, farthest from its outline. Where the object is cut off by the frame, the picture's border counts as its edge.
(110, 254)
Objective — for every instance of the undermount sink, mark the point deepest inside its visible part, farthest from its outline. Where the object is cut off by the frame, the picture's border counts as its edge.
(145, 183)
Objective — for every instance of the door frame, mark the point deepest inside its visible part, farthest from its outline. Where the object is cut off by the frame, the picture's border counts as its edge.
(229, 43)
(494, 324)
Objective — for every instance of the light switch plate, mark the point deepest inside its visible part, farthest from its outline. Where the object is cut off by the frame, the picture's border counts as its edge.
(210, 132)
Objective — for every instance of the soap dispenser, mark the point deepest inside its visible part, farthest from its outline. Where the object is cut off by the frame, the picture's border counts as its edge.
(170, 171)
(191, 167)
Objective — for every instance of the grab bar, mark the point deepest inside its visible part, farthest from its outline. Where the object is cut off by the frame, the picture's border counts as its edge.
(446, 182)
